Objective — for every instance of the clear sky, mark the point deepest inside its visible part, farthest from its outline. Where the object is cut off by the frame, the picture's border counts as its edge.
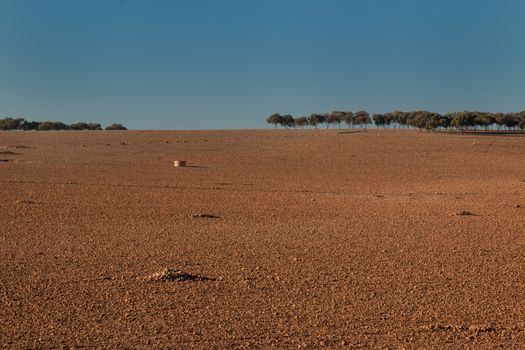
(207, 64)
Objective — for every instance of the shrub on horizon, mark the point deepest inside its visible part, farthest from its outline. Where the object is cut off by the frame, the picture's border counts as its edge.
(116, 126)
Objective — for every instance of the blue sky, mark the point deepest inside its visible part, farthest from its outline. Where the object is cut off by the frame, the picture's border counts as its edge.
(207, 64)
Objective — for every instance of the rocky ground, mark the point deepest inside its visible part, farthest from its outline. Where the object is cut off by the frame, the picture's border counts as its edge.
(268, 239)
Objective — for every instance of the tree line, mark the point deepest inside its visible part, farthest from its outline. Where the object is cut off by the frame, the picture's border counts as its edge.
(316, 119)
(462, 121)
(22, 124)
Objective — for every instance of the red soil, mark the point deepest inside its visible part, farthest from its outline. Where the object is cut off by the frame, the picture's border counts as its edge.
(321, 239)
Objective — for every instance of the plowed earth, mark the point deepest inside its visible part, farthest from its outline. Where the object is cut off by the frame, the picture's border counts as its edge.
(268, 239)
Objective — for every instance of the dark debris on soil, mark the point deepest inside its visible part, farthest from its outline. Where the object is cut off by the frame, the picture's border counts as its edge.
(463, 213)
(205, 216)
(170, 275)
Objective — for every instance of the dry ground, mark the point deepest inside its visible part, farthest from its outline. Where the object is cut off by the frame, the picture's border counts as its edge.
(324, 239)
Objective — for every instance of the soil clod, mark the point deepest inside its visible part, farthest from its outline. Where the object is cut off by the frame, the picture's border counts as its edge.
(463, 213)
(169, 275)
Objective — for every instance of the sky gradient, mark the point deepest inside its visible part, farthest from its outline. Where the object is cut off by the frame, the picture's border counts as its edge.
(200, 64)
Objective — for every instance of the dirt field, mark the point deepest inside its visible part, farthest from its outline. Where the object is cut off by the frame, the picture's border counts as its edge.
(322, 239)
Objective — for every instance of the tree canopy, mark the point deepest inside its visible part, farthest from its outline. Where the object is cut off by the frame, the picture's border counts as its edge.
(22, 124)
(461, 121)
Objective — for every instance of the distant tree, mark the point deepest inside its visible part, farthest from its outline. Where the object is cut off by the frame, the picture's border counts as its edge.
(444, 122)
(431, 120)
(274, 119)
(287, 121)
(313, 119)
(379, 120)
(94, 126)
(11, 124)
(349, 118)
(336, 117)
(301, 121)
(521, 120)
(510, 120)
(19, 123)
(6, 123)
(389, 118)
(46, 125)
(483, 119)
(331, 118)
(416, 119)
(321, 118)
(116, 127)
(79, 126)
(30, 125)
(400, 118)
(362, 118)
(410, 119)
(461, 120)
